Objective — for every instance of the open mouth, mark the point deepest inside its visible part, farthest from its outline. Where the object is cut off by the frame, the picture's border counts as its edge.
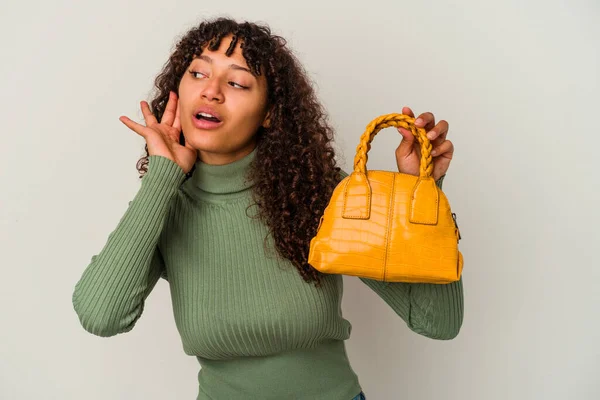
(207, 117)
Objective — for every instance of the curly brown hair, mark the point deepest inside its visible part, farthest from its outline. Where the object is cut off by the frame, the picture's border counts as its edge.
(295, 168)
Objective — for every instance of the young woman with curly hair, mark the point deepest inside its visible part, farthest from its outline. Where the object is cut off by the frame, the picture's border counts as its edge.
(238, 171)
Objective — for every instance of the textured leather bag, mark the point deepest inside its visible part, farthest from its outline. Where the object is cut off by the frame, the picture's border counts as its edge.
(389, 226)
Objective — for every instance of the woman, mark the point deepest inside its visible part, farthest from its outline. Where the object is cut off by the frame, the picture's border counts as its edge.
(237, 174)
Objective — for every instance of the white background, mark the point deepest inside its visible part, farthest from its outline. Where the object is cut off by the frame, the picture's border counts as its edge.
(516, 80)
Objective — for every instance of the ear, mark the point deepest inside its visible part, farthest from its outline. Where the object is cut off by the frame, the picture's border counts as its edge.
(267, 121)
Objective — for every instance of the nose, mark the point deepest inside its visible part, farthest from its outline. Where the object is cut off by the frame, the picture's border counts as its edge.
(212, 90)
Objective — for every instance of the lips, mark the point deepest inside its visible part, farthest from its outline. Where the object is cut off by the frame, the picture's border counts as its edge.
(206, 123)
(207, 110)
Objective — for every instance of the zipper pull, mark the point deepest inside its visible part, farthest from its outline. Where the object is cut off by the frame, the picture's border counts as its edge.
(320, 222)
(456, 224)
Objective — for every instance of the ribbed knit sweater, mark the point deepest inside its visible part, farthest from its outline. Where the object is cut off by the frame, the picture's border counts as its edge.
(258, 330)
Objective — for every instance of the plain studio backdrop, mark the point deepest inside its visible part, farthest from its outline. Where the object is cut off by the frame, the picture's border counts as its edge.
(516, 80)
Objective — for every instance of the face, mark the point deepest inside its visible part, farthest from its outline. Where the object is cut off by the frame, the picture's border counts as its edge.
(225, 86)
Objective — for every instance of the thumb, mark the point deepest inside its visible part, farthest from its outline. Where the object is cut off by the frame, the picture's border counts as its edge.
(407, 142)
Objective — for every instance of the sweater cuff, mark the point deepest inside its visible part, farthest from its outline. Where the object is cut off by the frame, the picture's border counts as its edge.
(440, 180)
(164, 172)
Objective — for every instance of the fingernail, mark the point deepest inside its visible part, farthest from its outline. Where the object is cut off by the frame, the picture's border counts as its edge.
(418, 121)
(430, 135)
(433, 152)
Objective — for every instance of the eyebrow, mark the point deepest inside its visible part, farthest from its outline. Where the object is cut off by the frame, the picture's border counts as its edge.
(231, 66)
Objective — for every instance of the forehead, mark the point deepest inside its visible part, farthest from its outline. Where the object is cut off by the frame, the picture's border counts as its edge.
(236, 55)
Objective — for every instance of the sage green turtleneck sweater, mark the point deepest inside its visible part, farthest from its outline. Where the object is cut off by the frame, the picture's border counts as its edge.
(257, 329)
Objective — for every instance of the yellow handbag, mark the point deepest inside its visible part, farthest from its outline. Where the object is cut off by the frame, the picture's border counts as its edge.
(389, 226)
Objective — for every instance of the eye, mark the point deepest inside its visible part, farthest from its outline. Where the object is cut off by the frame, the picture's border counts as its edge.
(236, 85)
(193, 73)
(240, 86)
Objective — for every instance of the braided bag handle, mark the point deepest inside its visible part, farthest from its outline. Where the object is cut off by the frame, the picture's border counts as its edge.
(357, 191)
(385, 121)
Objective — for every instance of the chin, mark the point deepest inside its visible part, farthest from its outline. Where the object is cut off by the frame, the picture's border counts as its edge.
(201, 141)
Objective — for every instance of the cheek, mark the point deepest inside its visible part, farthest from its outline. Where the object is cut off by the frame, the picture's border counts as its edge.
(187, 88)
(186, 100)
(250, 110)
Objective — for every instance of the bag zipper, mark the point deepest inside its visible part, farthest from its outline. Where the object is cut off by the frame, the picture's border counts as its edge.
(456, 224)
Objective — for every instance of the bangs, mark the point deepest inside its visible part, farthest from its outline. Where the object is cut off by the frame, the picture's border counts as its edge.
(251, 58)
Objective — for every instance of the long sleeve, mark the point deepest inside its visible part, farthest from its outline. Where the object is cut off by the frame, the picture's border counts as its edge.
(109, 297)
(431, 310)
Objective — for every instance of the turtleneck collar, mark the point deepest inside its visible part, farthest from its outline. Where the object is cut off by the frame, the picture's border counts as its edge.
(223, 179)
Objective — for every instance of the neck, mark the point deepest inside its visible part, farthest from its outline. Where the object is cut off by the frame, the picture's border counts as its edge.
(213, 158)
(222, 179)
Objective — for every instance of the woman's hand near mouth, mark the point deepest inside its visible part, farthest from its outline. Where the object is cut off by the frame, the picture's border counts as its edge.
(162, 138)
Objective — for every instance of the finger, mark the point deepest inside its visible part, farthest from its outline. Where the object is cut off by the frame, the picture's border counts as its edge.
(446, 149)
(407, 144)
(189, 146)
(170, 110)
(407, 135)
(439, 132)
(425, 121)
(177, 122)
(148, 116)
(134, 126)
